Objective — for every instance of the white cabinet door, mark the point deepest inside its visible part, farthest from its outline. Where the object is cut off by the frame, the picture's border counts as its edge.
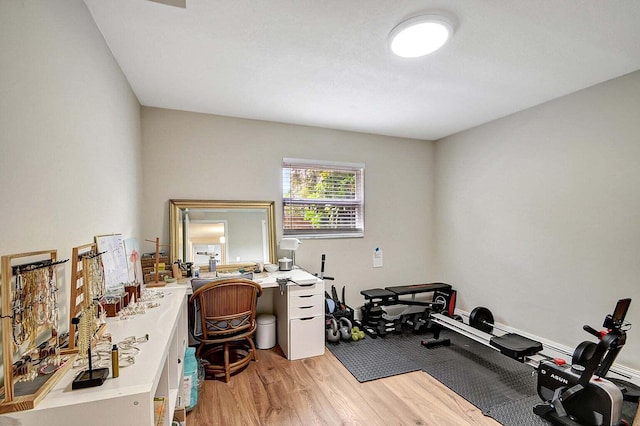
(306, 338)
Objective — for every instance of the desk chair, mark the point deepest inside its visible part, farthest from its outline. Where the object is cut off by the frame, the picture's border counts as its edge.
(226, 312)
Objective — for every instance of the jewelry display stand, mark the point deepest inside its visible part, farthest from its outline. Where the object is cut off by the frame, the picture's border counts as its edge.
(81, 284)
(156, 282)
(30, 347)
(90, 377)
(87, 289)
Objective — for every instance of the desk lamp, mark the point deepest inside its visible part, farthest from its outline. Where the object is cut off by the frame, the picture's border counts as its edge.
(290, 244)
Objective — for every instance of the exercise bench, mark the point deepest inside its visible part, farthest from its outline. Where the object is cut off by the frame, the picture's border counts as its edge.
(374, 324)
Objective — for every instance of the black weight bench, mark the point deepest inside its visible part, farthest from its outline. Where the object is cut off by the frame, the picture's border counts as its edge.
(418, 288)
(380, 295)
(375, 298)
(390, 295)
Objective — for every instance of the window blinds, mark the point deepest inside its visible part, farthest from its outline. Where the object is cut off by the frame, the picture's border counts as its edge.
(322, 199)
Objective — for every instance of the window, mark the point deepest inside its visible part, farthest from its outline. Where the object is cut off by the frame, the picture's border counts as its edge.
(322, 199)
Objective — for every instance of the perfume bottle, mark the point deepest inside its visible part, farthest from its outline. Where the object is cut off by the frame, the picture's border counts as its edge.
(115, 362)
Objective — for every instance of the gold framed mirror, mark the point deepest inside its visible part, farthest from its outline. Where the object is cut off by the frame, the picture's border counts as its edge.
(235, 233)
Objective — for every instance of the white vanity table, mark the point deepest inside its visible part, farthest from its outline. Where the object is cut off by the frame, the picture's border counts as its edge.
(128, 399)
(299, 311)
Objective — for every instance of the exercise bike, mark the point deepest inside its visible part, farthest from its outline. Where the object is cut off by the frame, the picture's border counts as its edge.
(578, 394)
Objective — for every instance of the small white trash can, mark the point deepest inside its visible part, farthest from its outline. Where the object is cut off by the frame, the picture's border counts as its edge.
(266, 331)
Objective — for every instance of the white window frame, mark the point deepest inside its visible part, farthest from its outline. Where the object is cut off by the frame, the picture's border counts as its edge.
(355, 231)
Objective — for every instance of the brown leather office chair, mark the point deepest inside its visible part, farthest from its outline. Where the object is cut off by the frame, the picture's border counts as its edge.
(225, 314)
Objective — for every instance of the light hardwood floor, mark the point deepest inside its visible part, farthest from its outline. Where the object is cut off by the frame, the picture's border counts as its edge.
(321, 391)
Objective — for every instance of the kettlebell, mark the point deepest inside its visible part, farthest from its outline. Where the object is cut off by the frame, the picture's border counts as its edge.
(333, 334)
(345, 330)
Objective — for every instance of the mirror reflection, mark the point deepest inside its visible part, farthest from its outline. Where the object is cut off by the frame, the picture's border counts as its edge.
(231, 232)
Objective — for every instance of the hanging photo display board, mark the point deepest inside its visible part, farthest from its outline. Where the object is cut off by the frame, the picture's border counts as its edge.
(114, 260)
(132, 251)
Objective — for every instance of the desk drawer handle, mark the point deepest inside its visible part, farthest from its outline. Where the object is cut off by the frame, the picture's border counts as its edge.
(307, 295)
(306, 307)
(306, 319)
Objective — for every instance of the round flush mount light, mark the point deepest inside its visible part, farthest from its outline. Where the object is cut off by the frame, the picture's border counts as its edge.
(420, 35)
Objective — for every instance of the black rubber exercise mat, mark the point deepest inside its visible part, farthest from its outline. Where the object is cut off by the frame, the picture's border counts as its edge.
(518, 412)
(474, 371)
(521, 413)
(372, 359)
(499, 386)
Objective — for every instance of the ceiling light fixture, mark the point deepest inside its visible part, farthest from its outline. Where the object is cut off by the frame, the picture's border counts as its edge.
(420, 35)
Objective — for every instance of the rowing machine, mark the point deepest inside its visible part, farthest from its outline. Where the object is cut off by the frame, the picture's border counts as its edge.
(480, 329)
(574, 395)
(579, 394)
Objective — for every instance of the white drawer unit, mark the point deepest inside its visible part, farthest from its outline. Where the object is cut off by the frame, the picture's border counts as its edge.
(300, 312)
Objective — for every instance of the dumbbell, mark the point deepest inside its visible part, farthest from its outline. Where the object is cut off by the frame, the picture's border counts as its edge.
(388, 327)
(357, 334)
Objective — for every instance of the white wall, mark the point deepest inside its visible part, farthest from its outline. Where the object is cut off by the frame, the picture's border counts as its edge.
(538, 214)
(198, 156)
(70, 160)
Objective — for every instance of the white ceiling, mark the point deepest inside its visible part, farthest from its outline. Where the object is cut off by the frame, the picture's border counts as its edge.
(326, 62)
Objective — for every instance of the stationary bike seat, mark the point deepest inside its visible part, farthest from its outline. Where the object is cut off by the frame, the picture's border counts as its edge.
(515, 346)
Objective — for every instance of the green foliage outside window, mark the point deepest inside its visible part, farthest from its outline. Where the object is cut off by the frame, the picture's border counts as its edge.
(322, 200)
